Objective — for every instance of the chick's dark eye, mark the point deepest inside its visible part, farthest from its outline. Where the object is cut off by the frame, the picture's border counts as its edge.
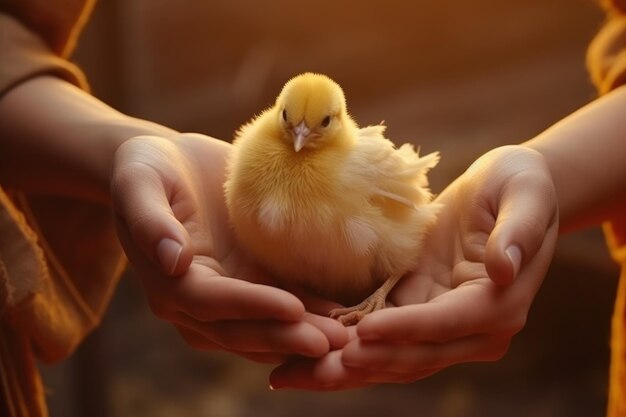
(285, 115)
(326, 121)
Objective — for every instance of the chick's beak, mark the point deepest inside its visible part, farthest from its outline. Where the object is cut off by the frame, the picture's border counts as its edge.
(301, 135)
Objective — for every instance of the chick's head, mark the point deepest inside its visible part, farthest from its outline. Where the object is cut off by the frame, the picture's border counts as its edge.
(311, 109)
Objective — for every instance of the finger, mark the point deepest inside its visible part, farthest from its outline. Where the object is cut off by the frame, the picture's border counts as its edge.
(199, 342)
(314, 303)
(425, 356)
(475, 307)
(327, 374)
(330, 374)
(204, 294)
(207, 296)
(526, 212)
(145, 200)
(195, 339)
(260, 357)
(295, 374)
(400, 378)
(263, 336)
(335, 332)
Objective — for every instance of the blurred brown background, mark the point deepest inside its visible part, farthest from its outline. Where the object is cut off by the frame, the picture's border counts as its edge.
(461, 77)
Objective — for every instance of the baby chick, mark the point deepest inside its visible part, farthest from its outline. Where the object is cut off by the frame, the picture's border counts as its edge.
(324, 204)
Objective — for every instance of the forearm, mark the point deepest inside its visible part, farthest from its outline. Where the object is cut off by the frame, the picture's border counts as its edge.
(55, 138)
(586, 153)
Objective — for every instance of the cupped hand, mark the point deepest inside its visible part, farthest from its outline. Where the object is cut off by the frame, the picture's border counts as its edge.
(484, 261)
(173, 224)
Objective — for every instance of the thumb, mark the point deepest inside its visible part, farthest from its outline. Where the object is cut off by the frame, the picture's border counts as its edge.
(526, 211)
(141, 200)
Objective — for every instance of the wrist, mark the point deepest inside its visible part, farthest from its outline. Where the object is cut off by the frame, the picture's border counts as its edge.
(58, 140)
(585, 155)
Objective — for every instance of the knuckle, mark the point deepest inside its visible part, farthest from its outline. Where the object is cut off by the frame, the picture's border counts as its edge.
(160, 310)
(195, 340)
(449, 330)
(140, 223)
(516, 323)
(200, 310)
(197, 343)
(121, 179)
(498, 351)
(431, 361)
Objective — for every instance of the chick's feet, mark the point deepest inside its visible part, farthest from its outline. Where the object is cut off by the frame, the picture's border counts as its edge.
(352, 315)
(377, 301)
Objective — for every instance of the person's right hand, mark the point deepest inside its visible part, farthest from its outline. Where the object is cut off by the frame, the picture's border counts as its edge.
(173, 224)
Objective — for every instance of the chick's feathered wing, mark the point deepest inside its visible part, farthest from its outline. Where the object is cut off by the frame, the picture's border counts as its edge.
(396, 174)
(398, 208)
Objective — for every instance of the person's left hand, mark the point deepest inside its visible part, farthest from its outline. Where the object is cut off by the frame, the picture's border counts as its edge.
(173, 224)
(484, 261)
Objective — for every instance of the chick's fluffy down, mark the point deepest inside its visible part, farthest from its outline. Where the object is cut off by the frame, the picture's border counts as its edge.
(338, 220)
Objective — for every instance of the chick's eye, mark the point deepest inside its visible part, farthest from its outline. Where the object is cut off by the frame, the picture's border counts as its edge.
(285, 115)
(326, 121)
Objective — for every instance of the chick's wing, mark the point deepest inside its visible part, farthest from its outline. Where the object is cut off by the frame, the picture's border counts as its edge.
(384, 171)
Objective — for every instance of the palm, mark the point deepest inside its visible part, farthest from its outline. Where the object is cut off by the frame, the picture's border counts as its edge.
(207, 218)
(453, 255)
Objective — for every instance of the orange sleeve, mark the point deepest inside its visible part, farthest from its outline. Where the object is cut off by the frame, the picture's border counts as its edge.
(606, 61)
(37, 36)
(59, 258)
(26, 55)
(606, 56)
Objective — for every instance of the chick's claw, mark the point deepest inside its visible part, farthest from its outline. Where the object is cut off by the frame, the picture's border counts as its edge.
(377, 301)
(352, 315)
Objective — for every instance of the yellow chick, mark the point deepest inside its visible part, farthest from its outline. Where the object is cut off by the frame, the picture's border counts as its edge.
(324, 204)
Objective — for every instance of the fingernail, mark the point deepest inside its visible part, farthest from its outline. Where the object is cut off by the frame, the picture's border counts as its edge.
(277, 385)
(514, 254)
(168, 251)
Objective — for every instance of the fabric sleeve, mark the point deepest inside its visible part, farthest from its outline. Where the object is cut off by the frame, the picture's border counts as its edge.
(606, 56)
(25, 55)
(606, 61)
(59, 258)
